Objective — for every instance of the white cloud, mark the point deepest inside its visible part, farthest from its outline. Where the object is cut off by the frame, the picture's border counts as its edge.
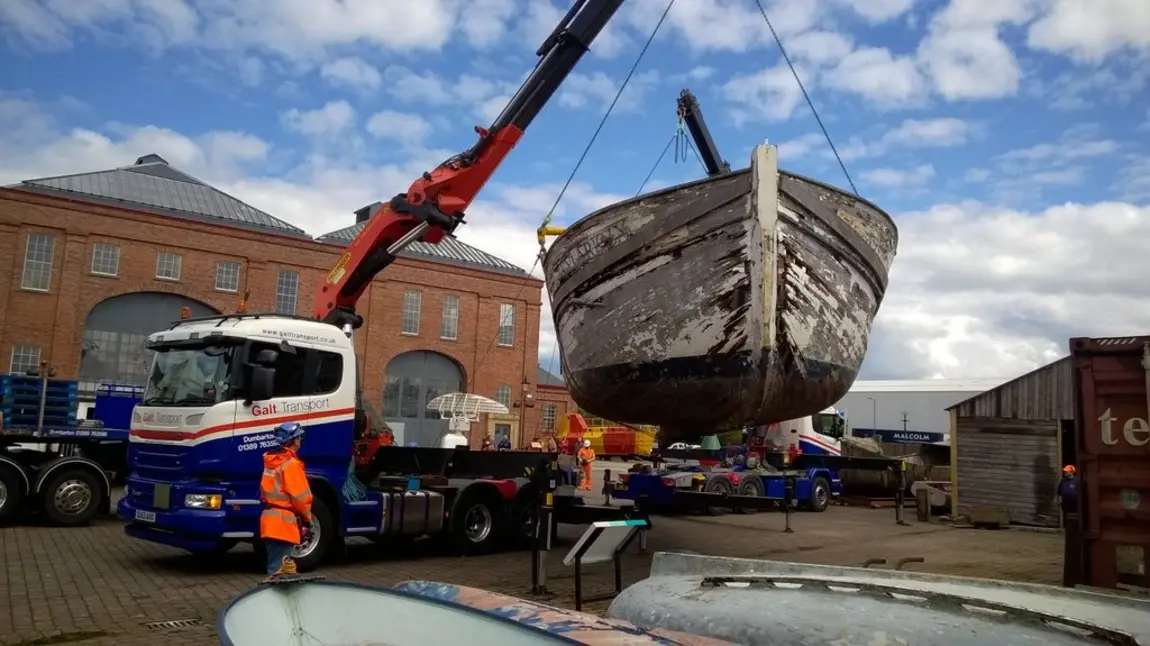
(333, 118)
(770, 93)
(896, 178)
(597, 90)
(407, 129)
(876, 74)
(1089, 32)
(979, 290)
(940, 132)
(877, 11)
(353, 72)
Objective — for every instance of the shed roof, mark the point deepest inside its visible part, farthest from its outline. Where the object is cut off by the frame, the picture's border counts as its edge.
(1045, 393)
(151, 184)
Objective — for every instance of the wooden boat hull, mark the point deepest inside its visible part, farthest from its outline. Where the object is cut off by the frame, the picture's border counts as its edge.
(741, 299)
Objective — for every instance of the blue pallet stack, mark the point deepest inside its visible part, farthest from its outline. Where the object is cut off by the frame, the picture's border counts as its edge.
(20, 401)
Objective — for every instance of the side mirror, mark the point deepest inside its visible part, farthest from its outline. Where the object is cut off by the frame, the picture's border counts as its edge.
(266, 358)
(263, 382)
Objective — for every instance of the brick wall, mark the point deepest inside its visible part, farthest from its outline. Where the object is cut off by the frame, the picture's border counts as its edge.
(53, 320)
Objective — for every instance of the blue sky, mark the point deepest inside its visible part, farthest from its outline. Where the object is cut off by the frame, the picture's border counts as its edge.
(977, 124)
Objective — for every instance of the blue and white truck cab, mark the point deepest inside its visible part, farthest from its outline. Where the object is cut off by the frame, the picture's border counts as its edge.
(217, 389)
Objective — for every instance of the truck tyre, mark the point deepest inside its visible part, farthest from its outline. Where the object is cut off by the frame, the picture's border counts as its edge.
(750, 485)
(523, 515)
(72, 497)
(475, 528)
(310, 554)
(11, 494)
(718, 484)
(820, 494)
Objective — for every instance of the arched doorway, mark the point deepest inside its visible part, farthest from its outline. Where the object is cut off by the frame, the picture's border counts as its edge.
(115, 331)
(413, 379)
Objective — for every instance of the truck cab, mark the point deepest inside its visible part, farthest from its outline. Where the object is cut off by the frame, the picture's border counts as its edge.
(217, 389)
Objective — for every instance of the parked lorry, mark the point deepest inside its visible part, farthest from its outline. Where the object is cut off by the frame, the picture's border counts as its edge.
(55, 463)
(220, 385)
(743, 471)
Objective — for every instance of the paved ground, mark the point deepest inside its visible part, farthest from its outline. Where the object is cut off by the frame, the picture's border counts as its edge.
(95, 587)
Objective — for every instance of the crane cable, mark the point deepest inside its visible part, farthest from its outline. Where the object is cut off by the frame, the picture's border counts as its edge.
(574, 171)
(603, 121)
(810, 103)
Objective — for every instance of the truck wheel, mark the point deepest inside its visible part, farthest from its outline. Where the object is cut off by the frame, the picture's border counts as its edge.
(72, 497)
(718, 484)
(11, 494)
(311, 553)
(475, 529)
(820, 494)
(750, 485)
(524, 514)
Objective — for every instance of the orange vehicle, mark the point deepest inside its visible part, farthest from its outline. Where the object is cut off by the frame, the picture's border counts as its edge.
(608, 440)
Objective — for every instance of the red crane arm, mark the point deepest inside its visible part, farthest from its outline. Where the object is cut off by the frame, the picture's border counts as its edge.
(434, 204)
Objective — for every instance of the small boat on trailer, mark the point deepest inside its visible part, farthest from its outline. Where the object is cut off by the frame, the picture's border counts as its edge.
(742, 299)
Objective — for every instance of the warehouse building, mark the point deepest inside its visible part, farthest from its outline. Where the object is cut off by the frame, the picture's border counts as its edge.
(100, 260)
(907, 412)
(1008, 445)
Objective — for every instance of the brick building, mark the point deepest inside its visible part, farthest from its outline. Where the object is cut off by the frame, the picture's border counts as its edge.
(100, 260)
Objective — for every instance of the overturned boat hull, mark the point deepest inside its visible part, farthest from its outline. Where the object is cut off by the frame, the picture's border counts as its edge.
(740, 299)
(418, 613)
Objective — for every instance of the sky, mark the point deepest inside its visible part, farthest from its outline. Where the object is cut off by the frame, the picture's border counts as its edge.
(1009, 139)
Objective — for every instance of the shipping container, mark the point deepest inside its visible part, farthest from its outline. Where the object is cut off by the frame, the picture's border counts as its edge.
(1112, 379)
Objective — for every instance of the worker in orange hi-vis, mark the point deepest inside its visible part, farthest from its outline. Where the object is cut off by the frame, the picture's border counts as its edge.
(286, 496)
(586, 458)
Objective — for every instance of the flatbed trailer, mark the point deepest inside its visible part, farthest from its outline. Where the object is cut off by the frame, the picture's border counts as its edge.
(806, 482)
(63, 474)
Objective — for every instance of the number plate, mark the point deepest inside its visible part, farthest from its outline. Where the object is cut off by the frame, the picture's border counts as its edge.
(145, 516)
(619, 486)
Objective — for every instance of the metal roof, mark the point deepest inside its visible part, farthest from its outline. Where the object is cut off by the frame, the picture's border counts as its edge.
(926, 385)
(153, 185)
(450, 250)
(544, 378)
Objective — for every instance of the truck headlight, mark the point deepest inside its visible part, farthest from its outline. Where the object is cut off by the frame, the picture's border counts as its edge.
(203, 500)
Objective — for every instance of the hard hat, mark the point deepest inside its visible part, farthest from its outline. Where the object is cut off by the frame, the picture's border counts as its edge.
(287, 432)
(1068, 470)
(413, 444)
(586, 444)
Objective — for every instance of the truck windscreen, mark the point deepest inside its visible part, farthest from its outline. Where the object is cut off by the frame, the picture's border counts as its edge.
(190, 375)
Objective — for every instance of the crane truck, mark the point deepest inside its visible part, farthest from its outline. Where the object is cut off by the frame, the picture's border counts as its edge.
(219, 385)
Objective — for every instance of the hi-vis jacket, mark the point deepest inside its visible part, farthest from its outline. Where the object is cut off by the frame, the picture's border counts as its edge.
(286, 496)
(586, 456)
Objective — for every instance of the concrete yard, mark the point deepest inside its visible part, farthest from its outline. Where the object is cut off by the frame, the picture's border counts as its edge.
(94, 586)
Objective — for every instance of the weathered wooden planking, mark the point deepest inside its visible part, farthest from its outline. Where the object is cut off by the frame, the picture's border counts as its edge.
(742, 299)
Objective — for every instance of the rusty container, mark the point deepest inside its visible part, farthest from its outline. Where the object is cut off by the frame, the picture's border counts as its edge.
(1112, 380)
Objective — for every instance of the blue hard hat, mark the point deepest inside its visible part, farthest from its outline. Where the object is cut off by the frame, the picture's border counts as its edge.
(287, 432)
(413, 443)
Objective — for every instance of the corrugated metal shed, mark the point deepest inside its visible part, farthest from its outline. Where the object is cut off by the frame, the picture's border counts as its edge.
(153, 185)
(1043, 394)
(449, 250)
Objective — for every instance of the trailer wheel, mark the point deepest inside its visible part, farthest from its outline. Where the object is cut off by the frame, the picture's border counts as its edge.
(475, 529)
(309, 554)
(11, 494)
(820, 494)
(718, 484)
(72, 497)
(750, 485)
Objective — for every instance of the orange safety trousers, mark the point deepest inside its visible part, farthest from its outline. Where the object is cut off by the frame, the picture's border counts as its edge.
(586, 458)
(286, 496)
